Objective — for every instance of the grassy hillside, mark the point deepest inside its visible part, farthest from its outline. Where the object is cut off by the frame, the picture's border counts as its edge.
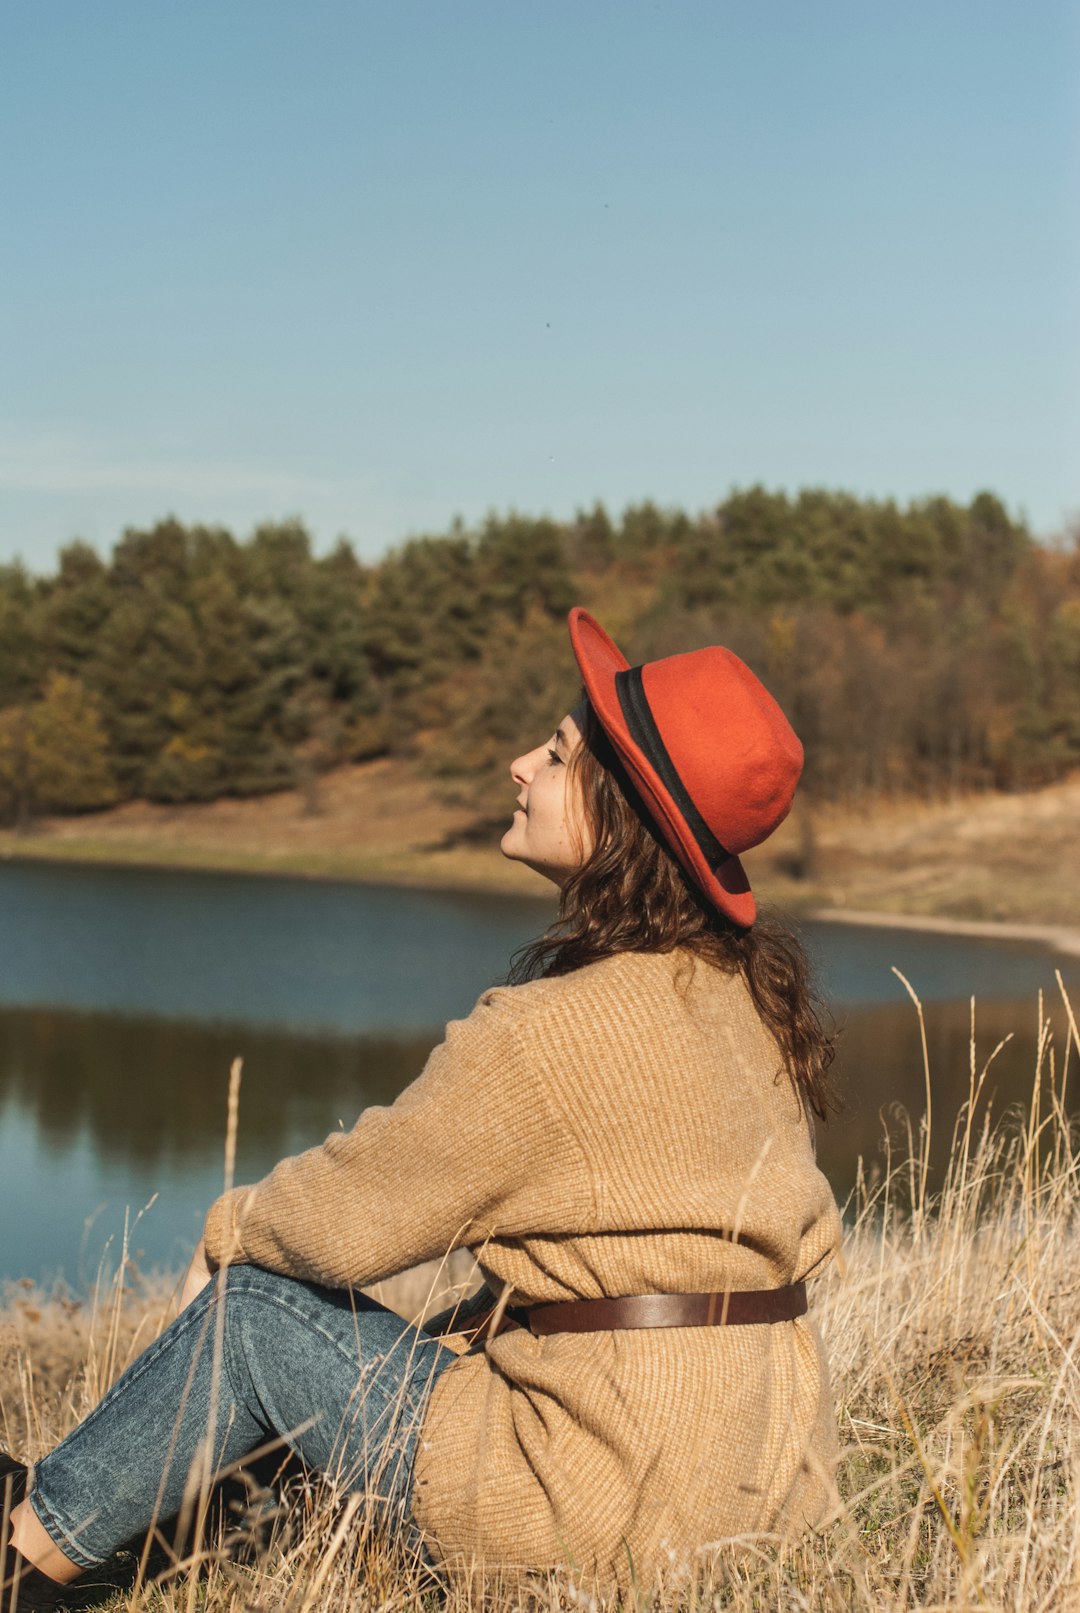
(983, 856)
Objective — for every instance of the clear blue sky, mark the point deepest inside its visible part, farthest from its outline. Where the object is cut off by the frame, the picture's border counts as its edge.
(379, 264)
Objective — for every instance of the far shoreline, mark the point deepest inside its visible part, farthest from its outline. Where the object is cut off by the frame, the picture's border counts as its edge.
(1055, 937)
(1059, 938)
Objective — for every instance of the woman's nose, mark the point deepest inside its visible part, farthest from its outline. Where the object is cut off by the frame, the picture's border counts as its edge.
(523, 767)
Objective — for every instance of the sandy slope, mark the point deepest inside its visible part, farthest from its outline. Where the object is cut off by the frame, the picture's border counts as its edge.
(375, 820)
(1003, 859)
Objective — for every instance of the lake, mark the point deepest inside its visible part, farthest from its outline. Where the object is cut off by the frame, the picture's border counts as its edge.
(125, 994)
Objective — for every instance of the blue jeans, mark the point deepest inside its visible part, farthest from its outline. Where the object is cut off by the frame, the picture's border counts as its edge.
(338, 1378)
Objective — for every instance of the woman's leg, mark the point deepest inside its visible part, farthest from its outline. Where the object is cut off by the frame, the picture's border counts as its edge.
(340, 1379)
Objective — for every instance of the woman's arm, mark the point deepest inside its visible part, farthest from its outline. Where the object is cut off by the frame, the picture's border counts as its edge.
(461, 1155)
(197, 1275)
(461, 1317)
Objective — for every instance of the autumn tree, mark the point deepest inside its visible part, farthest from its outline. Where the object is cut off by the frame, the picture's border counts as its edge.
(54, 753)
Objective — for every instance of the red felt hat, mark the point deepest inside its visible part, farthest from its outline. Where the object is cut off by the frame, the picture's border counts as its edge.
(708, 749)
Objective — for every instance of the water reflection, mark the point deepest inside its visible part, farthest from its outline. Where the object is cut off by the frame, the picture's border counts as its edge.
(879, 1070)
(102, 1111)
(151, 1092)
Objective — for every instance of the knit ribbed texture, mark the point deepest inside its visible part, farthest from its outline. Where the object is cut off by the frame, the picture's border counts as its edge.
(624, 1129)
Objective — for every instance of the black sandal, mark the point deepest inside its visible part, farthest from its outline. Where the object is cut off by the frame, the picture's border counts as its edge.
(13, 1476)
(23, 1588)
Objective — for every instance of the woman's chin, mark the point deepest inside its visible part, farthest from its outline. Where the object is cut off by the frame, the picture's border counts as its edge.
(510, 844)
(514, 852)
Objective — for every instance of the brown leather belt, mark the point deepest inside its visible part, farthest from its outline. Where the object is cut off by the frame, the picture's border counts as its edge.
(736, 1309)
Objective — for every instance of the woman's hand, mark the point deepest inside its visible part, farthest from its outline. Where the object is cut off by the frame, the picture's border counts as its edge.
(197, 1276)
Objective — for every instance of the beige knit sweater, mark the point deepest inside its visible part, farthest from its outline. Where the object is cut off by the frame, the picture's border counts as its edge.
(624, 1129)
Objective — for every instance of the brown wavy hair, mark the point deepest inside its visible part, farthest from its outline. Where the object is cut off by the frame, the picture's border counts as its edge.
(631, 895)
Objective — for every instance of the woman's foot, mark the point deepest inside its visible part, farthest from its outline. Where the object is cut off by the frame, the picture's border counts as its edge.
(24, 1588)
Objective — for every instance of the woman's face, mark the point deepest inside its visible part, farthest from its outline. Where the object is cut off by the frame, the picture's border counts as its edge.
(549, 831)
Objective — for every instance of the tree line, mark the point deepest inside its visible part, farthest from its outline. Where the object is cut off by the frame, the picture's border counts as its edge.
(926, 648)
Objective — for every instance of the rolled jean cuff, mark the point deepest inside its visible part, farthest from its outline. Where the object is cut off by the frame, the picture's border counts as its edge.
(61, 1533)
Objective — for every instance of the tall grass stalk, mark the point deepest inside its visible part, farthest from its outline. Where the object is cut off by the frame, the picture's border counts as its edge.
(952, 1323)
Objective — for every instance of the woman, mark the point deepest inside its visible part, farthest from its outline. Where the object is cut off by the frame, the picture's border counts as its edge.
(624, 1136)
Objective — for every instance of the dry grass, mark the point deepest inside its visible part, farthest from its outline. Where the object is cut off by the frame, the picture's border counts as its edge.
(953, 1327)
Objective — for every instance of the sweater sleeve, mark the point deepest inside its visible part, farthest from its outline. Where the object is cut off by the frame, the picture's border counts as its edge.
(457, 1158)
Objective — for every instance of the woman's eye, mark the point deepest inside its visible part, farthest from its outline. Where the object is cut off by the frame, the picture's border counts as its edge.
(555, 757)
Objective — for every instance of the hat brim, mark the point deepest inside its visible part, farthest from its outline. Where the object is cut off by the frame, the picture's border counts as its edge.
(599, 659)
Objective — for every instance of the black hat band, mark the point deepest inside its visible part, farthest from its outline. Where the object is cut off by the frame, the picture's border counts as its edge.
(641, 723)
